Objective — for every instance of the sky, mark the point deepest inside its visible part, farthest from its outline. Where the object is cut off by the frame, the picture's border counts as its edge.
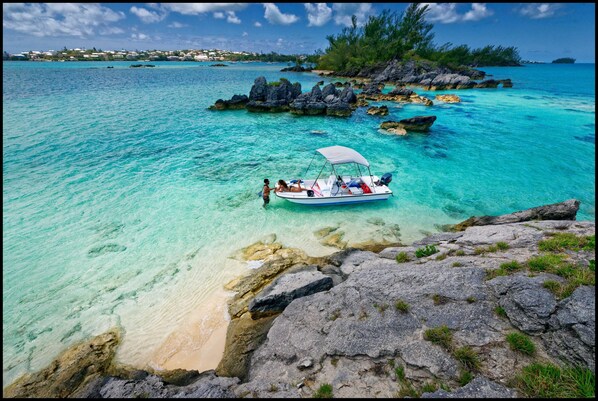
(540, 31)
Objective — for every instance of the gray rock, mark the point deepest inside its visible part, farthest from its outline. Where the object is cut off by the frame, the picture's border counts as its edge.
(527, 303)
(566, 210)
(329, 90)
(276, 296)
(259, 90)
(479, 387)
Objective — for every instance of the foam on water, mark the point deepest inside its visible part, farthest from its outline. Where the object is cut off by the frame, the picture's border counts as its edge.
(124, 199)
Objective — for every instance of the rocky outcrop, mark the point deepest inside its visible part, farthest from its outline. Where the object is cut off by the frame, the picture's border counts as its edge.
(378, 111)
(73, 370)
(566, 210)
(480, 387)
(448, 98)
(372, 91)
(426, 74)
(328, 100)
(272, 97)
(296, 68)
(417, 123)
(237, 102)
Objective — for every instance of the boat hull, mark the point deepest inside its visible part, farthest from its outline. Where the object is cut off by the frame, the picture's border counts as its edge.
(336, 200)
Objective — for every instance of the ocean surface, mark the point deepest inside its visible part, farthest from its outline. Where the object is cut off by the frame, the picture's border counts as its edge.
(125, 199)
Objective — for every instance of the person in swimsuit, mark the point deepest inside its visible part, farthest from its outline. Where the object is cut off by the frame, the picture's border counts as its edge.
(266, 192)
(283, 187)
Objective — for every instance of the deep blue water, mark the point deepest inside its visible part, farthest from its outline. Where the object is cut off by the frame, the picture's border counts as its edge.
(124, 197)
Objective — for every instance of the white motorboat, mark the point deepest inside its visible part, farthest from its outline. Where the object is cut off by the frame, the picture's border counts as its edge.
(335, 188)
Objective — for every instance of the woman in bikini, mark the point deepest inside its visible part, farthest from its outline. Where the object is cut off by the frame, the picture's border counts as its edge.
(283, 187)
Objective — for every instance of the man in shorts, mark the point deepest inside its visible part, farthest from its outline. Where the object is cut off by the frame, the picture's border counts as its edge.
(266, 192)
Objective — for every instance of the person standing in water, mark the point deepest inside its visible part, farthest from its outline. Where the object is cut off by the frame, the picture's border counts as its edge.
(266, 192)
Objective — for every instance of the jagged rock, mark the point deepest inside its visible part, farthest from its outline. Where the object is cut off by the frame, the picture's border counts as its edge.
(479, 387)
(489, 83)
(235, 103)
(339, 109)
(397, 131)
(398, 91)
(329, 90)
(571, 335)
(417, 123)
(296, 68)
(378, 111)
(448, 98)
(328, 101)
(274, 298)
(273, 97)
(527, 303)
(566, 210)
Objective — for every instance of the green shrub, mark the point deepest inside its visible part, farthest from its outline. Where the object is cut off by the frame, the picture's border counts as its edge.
(460, 252)
(467, 357)
(500, 311)
(562, 241)
(402, 306)
(549, 381)
(441, 335)
(426, 251)
(465, 377)
(457, 264)
(592, 265)
(402, 257)
(325, 391)
(520, 342)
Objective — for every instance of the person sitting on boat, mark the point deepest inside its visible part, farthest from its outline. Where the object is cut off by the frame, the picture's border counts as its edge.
(283, 187)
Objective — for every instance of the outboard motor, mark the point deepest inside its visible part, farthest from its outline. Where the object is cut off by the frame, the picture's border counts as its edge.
(386, 179)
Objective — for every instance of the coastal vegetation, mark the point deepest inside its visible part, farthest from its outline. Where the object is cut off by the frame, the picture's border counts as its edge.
(405, 36)
(564, 60)
(425, 251)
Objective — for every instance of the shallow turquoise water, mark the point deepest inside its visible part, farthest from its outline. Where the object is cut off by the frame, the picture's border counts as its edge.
(124, 198)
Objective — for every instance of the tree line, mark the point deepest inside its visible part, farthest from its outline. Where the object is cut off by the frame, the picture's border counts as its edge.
(404, 36)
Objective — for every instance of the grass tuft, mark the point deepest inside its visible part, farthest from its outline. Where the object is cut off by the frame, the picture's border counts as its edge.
(325, 391)
(470, 300)
(402, 257)
(457, 264)
(520, 342)
(402, 306)
(500, 311)
(567, 241)
(441, 335)
(400, 372)
(467, 357)
(465, 377)
(549, 381)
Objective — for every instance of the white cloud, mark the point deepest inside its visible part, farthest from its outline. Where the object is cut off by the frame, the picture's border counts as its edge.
(232, 18)
(219, 15)
(318, 14)
(202, 8)
(446, 13)
(111, 31)
(257, 24)
(176, 24)
(478, 11)
(58, 19)
(139, 36)
(279, 42)
(245, 34)
(146, 15)
(538, 11)
(344, 11)
(275, 16)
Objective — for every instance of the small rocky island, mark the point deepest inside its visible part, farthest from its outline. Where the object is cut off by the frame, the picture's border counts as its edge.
(482, 310)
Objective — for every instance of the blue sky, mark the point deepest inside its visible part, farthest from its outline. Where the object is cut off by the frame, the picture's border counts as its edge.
(541, 31)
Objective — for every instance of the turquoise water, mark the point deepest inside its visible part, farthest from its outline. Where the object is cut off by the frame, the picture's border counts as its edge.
(124, 198)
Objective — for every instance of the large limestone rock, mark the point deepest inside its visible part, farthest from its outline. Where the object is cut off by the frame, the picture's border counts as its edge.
(448, 98)
(566, 210)
(237, 102)
(378, 111)
(327, 101)
(274, 298)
